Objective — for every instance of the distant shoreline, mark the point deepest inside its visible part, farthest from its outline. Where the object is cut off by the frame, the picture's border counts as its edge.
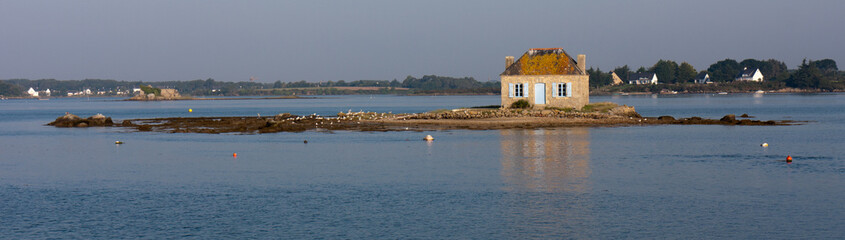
(252, 97)
(222, 98)
(704, 93)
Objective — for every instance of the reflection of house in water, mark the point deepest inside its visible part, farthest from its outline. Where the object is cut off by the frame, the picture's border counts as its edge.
(554, 160)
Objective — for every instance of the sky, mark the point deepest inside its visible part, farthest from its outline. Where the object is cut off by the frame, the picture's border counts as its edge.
(317, 40)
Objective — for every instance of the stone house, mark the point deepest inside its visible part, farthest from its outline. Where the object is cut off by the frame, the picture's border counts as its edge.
(702, 78)
(615, 78)
(642, 78)
(546, 77)
(753, 75)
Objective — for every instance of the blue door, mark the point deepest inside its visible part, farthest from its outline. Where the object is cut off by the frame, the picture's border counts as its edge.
(539, 93)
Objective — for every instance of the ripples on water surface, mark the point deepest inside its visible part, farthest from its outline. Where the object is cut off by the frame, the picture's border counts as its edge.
(604, 182)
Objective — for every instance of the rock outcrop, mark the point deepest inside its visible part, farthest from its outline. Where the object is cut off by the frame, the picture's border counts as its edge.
(666, 118)
(166, 94)
(728, 118)
(625, 111)
(70, 120)
(169, 93)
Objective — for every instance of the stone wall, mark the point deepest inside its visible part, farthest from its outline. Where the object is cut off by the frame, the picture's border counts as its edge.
(580, 90)
(166, 94)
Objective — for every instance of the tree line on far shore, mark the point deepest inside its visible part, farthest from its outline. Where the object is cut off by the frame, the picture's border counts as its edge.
(428, 84)
(819, 75)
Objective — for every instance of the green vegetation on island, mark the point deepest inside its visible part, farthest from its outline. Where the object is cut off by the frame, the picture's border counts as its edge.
(150, 89)
(811, 76)
(10, 90)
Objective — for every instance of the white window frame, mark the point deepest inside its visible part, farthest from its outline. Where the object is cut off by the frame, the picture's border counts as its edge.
(517, 90)
(563, 89)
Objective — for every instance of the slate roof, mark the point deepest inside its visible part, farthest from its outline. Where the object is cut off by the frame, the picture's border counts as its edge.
(543, 61)
(748, 72)
(700, 75)
(638, 76)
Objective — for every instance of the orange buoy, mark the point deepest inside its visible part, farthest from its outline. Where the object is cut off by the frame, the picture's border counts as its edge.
(788, 158)
(235, 155)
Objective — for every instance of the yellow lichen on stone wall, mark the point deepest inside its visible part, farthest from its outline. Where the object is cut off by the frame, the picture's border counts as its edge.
(545, 64)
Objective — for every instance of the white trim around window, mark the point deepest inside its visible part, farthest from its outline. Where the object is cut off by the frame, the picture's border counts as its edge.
(563, 89)
(517, 90)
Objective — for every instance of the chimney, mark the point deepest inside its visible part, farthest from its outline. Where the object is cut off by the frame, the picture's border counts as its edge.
(508, 61)
(582, 63)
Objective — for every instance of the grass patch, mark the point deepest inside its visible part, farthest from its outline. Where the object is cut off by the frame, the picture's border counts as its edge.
(560, 109)
(599, 107)
(150, 89)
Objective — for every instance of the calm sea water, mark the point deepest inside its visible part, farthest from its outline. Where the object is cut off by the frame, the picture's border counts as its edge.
(601, 182)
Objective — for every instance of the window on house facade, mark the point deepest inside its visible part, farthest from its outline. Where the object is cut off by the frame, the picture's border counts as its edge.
(563, 89)
(516, 90)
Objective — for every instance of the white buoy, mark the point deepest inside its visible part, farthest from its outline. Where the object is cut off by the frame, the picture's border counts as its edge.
(764, 145)
(428, 138)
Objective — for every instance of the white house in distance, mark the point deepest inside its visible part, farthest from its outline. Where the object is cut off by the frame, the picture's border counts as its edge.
(703, 78)
(615, 78)
(32, 92)
(753, 75)
(642, 78)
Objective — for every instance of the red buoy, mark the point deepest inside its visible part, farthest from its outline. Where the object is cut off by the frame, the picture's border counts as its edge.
(788, 158)
(235, 155)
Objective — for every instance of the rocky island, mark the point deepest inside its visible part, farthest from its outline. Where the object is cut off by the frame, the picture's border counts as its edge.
(149, 93)
(70, 120)
(602, 114)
